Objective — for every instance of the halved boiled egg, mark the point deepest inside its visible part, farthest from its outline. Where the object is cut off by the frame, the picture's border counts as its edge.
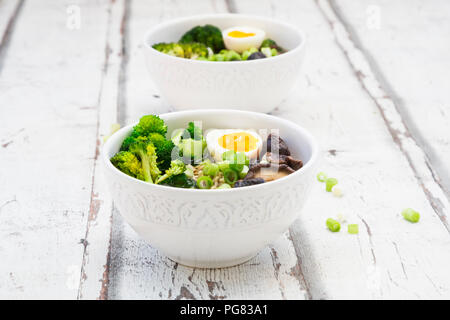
(222, 140)
(240, 39)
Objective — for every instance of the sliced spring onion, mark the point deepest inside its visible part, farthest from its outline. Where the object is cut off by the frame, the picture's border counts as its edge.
(205, 162)
(337, 192)
(267, 52)
(223, 165)
(204, 182)
(224, 186)
(238, 162)
(211, 169)
(228, 155)
(353, 229)
(230, 176)
(189, 173)
(330, 183)
(321, 177)
(333, 225)
(341, 218)
(244, 172)
(411, 215)
(236, 167)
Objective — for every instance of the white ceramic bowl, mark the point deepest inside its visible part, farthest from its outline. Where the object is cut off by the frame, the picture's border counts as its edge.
(257, 85)
(214, 228)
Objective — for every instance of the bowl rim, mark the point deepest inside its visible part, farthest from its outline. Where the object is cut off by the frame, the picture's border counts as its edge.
(168, 23)
(306, 167)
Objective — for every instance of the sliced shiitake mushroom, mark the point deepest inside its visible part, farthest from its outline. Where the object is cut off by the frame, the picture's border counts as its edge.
(279, 146)
(268, 171)
(283, 159)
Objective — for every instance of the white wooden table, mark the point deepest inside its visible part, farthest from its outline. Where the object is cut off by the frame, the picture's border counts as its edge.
(374, 89)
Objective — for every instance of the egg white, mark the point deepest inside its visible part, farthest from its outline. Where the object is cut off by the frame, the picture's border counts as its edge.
(216, 150)
(241, 44)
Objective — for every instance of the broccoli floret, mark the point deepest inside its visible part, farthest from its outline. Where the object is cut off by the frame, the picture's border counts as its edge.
(128, 140)
(176, 167)
(150, 131)
(268, 43)
(209, 35)
(146, 126)
(194, 131)
(173, 49)
(163, 149)
(149, 124)
(179, 181)
(225, 55)
(192, 50)
(164, 153)
(128, 163)
(195, 50)
(156, 138)
(146, 152)
(272, 45)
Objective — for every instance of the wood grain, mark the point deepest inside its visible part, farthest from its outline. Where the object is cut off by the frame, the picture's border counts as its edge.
(95, 264)
(9, 14)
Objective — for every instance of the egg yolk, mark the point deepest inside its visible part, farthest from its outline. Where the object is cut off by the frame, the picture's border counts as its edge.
(238, 141)
(240, 34)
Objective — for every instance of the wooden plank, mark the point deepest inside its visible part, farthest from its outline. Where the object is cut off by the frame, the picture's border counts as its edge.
(390, 258)
(140, 271)
(416, 72)
(49, 89)
(419, 95)
(95, 264)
